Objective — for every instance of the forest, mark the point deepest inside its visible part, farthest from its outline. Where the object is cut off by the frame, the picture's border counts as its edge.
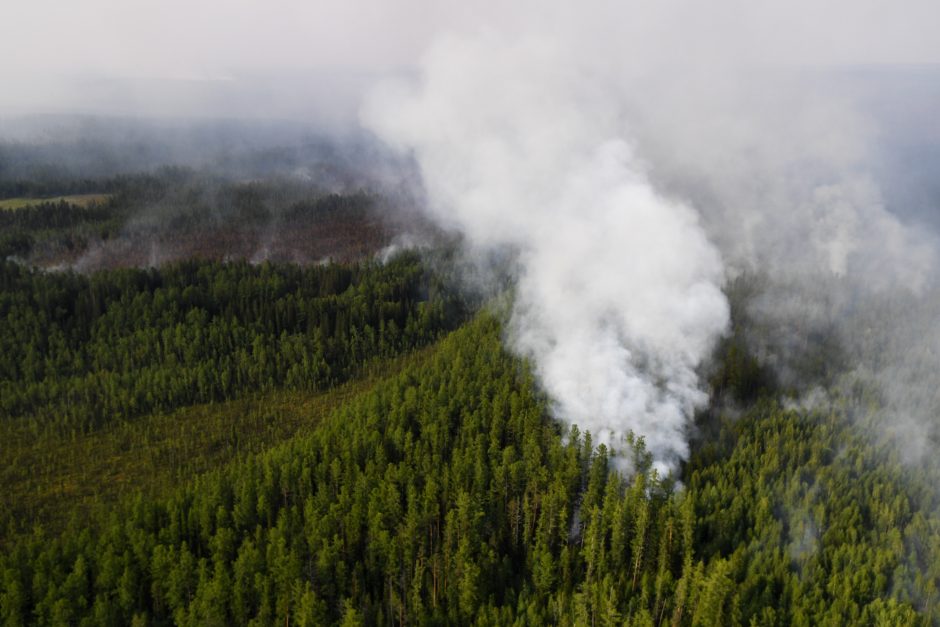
(177, 213)
(216, 440)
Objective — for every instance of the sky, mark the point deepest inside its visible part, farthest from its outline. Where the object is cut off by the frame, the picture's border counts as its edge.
(247, 58)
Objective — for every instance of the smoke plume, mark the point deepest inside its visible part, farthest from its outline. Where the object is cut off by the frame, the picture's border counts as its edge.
(618, 297)
(633, 165)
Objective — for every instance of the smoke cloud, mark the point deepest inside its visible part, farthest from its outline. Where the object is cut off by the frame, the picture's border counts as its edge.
(632, 177)
(631, 157)
(619, 290)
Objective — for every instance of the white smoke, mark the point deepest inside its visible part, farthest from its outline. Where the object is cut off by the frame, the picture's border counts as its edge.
(782, 166)
(634, 161)
(618, 297)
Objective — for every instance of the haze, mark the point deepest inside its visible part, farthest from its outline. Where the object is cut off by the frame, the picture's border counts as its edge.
(312, 61)
(660, 148)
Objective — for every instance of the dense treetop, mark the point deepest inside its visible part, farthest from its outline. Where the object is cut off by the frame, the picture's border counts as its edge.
(323, 447)
(447, 495)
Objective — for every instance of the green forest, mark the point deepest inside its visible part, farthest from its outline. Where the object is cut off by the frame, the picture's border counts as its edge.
(218, 442)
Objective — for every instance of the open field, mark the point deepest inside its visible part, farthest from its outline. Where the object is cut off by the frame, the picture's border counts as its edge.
(81, 200)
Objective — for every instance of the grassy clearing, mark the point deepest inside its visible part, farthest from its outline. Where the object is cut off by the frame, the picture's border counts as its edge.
(81, 200)
(49, 479)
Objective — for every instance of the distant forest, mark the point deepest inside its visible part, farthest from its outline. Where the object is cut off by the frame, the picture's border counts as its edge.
(178, 213)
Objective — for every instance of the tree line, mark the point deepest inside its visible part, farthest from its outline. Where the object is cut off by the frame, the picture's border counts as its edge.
(77, 352)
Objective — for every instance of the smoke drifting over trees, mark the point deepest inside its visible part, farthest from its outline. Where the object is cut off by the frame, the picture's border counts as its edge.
(633, 157)
(632, 179)
(615, 320)
(704, 391)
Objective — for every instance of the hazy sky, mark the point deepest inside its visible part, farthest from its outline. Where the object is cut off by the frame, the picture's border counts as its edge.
(247, 57)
